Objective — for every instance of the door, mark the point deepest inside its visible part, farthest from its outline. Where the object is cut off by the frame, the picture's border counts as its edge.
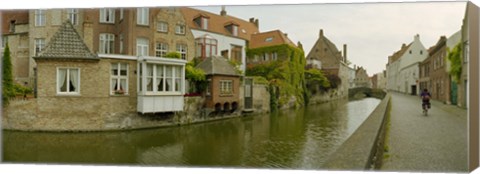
(414, 90)
(248, 93)
(453, 93)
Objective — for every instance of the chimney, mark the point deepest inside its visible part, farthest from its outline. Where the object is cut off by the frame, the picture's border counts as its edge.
(223, 12)
(355, 67)
(417, 37)
(285, 34)
(345, 52)
(403, 46)
(256, 22)
(252, 20)
(321, 33)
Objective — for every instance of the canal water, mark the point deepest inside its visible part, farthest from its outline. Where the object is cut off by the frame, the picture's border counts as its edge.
(289, 139)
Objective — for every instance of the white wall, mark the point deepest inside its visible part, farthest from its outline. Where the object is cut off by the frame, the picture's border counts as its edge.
(225, 43)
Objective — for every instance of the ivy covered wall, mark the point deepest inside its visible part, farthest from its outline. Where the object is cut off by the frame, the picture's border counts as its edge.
(285, 75)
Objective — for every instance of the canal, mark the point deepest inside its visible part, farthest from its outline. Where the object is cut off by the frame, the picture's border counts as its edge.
(290, 139)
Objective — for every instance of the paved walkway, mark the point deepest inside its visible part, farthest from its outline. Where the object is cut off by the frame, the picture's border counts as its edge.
(433, 143)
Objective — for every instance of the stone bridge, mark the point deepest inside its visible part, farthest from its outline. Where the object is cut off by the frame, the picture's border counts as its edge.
(362, 92)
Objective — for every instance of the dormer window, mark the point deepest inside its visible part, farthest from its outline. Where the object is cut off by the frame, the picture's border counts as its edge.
(202, 21)
(232, 28)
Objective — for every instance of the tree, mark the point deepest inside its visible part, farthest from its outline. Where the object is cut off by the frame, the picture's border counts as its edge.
(455, 58)
(7, 81)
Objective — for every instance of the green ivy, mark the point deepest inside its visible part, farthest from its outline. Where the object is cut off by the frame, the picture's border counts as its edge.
(285, 76)
(173, 55)
(455, 58)
(196, 77)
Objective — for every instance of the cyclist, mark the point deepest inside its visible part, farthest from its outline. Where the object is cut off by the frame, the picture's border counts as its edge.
(425, 99)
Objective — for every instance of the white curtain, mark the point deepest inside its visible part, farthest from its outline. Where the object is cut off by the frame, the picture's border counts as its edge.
(123, 85)
(114, 84)
(74, 79)
(149, 77)
(61, 79)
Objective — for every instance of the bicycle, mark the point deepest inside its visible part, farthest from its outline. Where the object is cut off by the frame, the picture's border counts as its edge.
(425, 107)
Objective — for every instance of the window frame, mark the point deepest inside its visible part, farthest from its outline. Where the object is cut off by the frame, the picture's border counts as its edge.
(161, 49)
(143, 16)
(67, 75)
(40, 18)
(73, 15)
(119, 78)
(39, 45)
(144, 47)
(202, 46)
(182, 50)
(107, 15)
(165, 77)
(162, 26)
(106, 43)
(226, 87)
(180, 29)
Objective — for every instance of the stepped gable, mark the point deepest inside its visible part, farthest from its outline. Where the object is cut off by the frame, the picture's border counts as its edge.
(66, 43)
(217, 65)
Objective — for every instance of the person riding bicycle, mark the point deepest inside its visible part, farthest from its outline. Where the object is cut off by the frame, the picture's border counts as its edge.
(425, 98)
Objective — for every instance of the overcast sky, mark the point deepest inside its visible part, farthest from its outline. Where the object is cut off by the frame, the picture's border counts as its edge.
(372, 31)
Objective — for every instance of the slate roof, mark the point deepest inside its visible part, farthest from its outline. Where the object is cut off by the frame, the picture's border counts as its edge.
(217, 65)
(66, 43)
(278, 37)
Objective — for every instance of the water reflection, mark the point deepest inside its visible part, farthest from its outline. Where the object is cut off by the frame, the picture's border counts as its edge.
(300, 139)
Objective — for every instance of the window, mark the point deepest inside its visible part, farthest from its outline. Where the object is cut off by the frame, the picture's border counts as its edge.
(269, 39)
(162, 26)
(107, 15)
(236, 53)
(207, 92)
(206, 46)
(121, 14)
(142, 16)
(40, 18)
(119, 79)
(226, 87)
(73, 16)
(68, 81)
(421, 52)
(161, 49)
(202, 22)
(12, 26)
(232, 28)
(235, 30)
(265, 57)
(142, 47)
(163, 78)
(410, 52)
(182, 49)
(121, 44)
(39, 45)
(179, 29)
(106, 43)
(205, 23)
(274, 56)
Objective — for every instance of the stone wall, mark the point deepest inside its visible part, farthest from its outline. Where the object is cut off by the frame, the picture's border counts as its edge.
(261, 99)
(323, 97)
(369, 136)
